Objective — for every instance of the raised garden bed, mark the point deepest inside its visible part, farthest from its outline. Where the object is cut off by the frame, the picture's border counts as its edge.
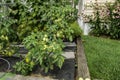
(68, 71)
(82, 68)
(41, 28)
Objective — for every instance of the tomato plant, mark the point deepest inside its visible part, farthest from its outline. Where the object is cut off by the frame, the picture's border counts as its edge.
(42, 26)
(6, 32)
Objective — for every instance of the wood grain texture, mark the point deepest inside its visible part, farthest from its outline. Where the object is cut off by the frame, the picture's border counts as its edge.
(82, 68)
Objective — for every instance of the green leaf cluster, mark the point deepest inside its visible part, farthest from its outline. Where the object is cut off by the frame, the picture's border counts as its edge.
(6, 35)
(77, 32)
(106, 22)
(42, 26)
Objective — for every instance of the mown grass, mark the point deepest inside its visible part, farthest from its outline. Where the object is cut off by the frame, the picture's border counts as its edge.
(6, 76)
(103, 56)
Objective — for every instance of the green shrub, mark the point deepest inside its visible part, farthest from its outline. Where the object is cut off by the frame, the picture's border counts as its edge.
(42, 26)
(106, 20)
(6, 32)
(77, 32)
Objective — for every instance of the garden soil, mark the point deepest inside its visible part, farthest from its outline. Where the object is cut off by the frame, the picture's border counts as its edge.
(67, 72)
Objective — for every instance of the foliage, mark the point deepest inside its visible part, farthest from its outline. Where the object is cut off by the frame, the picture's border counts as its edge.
(47, 54)
(23, 67)
(76, 2)
(77, 32)
(114, 19)
(103, 57)
(35, 16)
(106, 20)
(6, 32)
(42, 26)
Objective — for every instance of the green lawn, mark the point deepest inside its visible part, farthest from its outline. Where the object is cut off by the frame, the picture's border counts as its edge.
(6, 76)
(103, 56)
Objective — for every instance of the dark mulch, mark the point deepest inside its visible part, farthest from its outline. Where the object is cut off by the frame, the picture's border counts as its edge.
(67, 72)
(4, 64)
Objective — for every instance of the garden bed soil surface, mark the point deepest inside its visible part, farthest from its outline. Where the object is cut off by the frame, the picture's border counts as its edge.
(67, 72)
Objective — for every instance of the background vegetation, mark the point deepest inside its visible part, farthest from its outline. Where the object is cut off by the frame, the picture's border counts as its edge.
(106, 20)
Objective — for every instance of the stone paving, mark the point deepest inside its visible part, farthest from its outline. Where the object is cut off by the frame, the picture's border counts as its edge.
(20, 77)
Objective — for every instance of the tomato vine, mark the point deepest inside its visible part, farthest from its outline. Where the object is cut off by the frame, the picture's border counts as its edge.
(41, 26)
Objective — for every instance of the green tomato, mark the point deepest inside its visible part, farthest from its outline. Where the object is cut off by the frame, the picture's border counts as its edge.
(44, 39)
(6, 38)
(10, 53)
(32, 63)
(2, 36)
(27, 60)
(45, 36)
(45, 46)
(0, 47)
(58, 34)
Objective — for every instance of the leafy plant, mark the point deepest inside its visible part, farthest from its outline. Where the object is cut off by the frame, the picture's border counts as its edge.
(106, 21)
(35, 16)
(23, 67)
(114, 20)
(42, 26)
(5, 35)
(77, 32)
(48, 51)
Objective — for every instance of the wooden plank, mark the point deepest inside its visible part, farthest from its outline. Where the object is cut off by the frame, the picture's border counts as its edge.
(82, 68)
(70, 44)
(4, 4)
